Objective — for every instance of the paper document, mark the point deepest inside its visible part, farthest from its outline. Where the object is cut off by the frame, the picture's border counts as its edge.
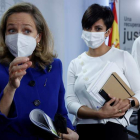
(106, 72)
(42, 120)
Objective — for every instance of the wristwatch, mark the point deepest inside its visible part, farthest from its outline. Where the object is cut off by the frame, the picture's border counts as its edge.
(132, 102)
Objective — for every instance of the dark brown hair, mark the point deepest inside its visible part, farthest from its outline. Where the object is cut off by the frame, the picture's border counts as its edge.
(96, 12)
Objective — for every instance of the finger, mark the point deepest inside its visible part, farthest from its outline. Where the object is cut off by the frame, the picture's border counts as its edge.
(122, 112)
(119, 103)
(124, 103)
(124, 109)
(29, 63)
(19, 60)
(111, 101)
(17, 74)
(118, 115)
(18, 68)
(69, 130)
(116, 101)
(65, 136)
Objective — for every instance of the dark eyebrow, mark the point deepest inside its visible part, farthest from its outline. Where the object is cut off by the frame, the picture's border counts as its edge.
(98, 26)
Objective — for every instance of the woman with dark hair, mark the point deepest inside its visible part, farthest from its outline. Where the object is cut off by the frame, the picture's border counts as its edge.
(104, 122)
(30, 75)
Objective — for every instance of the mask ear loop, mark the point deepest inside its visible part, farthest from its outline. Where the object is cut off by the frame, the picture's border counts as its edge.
(105, 33)
(37, 36)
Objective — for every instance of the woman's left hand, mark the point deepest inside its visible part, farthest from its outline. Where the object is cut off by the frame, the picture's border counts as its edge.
(70, 136)
(124, 104)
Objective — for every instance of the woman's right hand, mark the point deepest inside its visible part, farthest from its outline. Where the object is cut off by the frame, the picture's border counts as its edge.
(108, 111)
(17, 70)
(70, 136)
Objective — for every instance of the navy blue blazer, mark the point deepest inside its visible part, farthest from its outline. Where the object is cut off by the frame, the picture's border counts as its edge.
(17, 125)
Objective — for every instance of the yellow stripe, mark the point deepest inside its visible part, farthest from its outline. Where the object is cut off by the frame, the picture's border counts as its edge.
(115, 35)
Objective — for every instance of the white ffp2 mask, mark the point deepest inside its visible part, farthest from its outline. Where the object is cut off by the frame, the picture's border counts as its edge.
(93, 39)
(20, 45)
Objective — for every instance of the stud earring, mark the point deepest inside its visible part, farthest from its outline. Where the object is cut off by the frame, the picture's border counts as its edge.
(38, 44)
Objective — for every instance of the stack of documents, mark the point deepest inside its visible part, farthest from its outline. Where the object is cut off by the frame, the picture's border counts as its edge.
(111, 81)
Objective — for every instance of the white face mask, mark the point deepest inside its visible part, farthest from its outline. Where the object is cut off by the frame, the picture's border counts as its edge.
(93, 39)
(20, 45)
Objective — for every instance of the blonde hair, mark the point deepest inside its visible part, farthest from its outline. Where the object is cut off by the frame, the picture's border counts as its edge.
(43, 54)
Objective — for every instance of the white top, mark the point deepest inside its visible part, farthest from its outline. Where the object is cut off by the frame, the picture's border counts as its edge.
(84, 69)
(136, 51)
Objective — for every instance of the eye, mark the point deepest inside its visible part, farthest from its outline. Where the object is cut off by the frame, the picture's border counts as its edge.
(27, 31)
(98, 28)
(11, 31)
(87, 29)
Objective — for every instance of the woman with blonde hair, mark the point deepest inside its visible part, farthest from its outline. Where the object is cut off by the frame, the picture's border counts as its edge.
(31, 76)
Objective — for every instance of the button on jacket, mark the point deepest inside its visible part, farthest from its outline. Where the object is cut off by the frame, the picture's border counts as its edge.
(49, 98)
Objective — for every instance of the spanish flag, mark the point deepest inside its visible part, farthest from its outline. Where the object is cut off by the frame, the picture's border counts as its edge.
(114, 35)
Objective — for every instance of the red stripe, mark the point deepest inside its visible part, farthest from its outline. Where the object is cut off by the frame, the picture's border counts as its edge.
(115, 18)
(110, 38)
(115, 12)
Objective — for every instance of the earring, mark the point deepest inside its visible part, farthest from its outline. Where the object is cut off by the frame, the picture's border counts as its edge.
(38, 44)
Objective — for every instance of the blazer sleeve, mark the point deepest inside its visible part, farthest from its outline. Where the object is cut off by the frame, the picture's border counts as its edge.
(61, 102)
(6, 120)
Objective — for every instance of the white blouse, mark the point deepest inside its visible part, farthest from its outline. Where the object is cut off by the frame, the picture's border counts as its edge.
(84, 69)
(136, 51)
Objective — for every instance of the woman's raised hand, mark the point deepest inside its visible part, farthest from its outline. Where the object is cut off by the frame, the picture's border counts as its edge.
(17, 70)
